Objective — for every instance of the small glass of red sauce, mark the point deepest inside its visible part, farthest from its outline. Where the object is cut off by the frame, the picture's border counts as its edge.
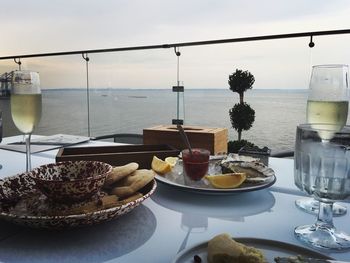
(196, 164)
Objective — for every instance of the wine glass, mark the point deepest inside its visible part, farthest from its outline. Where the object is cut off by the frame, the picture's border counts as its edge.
(328, 102)
(323, 171)
(26, 105)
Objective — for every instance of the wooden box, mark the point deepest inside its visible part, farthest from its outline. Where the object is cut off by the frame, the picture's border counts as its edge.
(118, 155)
(213, 139)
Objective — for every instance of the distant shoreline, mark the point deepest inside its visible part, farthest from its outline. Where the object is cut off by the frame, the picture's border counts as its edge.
(167, 89)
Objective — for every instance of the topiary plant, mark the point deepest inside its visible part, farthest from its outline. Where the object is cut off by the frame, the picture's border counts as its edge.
(242, 115)
(240, 81)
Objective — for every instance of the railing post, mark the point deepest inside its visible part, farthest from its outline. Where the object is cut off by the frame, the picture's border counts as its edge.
(87, 59)
(179, 90)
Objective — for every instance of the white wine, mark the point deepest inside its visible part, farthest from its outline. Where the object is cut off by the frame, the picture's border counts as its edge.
(331, 112)
(327, 112)
(26, 111)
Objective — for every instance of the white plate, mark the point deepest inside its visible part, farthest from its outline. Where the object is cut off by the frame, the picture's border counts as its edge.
(270, 248)
(175, 179)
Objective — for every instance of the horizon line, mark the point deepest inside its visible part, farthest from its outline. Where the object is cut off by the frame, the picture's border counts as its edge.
(116, 88)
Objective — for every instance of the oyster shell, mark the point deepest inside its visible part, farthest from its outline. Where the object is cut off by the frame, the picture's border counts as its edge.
(255, 171)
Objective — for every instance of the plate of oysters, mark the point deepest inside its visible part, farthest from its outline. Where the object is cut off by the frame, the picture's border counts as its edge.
(228, 174)
(74, 193)
(224, 248)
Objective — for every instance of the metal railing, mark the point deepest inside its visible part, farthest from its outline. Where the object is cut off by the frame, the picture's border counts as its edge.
(310, 34)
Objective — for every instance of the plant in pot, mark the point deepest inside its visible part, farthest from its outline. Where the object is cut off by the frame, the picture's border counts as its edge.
(242, 116)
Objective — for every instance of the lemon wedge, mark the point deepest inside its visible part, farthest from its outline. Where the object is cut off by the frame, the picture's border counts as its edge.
(160, 166)
(225, 181)
(172, 161)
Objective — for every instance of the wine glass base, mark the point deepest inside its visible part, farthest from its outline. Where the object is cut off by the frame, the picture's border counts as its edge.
(311, 206)
(322, 237)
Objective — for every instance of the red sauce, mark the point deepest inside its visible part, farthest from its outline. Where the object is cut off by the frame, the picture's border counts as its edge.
(196, 165)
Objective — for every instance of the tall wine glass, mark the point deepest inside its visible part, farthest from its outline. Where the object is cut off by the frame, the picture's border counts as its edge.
(26, 105)
(328, 102)
(323, 171)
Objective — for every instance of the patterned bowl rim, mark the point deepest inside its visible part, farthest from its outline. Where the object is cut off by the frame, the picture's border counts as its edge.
(85, 215)
(95, 177)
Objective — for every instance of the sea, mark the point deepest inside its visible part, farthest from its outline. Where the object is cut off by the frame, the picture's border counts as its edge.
(277, 112)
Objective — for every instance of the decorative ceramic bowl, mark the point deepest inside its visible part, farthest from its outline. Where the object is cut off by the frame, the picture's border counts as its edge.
(70, 181)
(23, 204)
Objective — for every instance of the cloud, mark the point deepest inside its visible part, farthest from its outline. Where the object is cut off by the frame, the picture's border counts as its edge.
(40, 26)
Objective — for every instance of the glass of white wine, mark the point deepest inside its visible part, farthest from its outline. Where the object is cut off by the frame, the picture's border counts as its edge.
(328, 103)
(322, 170)
(26, 105)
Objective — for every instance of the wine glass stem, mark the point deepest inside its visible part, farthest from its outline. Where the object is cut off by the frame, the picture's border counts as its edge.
(325, 215)
(28, 162)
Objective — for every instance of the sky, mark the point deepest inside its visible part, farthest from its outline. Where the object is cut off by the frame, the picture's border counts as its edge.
(41, 26)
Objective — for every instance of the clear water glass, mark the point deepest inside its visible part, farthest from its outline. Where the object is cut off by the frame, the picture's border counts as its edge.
(322, 170)
(311, 205)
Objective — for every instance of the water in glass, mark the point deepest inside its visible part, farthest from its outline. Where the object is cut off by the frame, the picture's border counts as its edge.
(322, 170)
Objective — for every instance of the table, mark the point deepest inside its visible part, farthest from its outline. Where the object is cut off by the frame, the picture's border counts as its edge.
(164, 224)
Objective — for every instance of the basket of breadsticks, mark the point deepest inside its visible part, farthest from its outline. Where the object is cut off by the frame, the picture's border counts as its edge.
(124, 188)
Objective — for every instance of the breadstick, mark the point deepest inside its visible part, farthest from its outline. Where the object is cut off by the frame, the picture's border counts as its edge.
(132, 183)
(119, 172)
(131, 198)
(105, 202)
